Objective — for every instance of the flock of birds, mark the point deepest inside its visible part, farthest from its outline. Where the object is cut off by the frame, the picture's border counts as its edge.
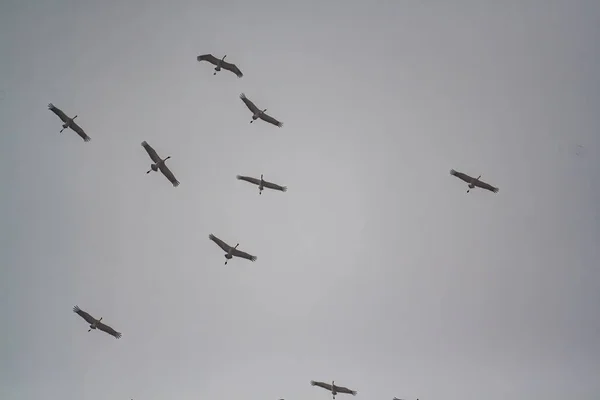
(159, 164)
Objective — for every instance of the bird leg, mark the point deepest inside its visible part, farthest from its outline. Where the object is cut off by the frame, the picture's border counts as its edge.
(148, 171)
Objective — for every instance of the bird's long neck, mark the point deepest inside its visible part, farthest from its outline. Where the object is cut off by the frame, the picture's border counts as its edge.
(224, 57)
(236, 246)
(166, 158)
(478, 177)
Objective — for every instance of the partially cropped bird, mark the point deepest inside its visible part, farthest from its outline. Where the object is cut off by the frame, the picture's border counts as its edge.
(256, 113)
(473, 182)
(333, 388)
(220, 63)
(68, 122)
(231, 251)
(261, 183)
(95, 323)
(159, 164)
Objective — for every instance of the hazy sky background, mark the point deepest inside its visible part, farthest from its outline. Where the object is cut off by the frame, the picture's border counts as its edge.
(375, 269)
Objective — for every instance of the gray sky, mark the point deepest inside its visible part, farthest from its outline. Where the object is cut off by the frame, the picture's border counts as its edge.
(375, 269)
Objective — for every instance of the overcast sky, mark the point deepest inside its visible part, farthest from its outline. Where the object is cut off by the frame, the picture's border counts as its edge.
(375, 269)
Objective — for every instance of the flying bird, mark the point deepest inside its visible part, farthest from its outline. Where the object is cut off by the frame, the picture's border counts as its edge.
(256, 113)
(69, 122)
(473, 182)
(95, 323)
(231, 251)
(333, 388)
(220, 63)
(159, 164)
(261, 183)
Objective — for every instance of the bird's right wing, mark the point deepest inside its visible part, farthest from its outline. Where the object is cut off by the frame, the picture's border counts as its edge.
(248, 103)
(271, 120)
(58, 112)
(88, 318)
(241, 254)
(167, 172)
(108, 329)
(232, 67)
(151, 152)
(248, 179)
(321, 384)
(275, 186)
(487, 186)
(208, 57)
(219, 242)
(80, 131)
(341, 389)
(460, 175)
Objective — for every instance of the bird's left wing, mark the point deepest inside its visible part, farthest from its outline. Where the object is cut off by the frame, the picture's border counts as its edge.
(248, 103)
(241, 254)
(271, 120)
(219, 242)
(208, 57)
(167, 172)
(460, 175)
(80, 131)
(248, 179)
(58, 112)
(108, 329)
(321, 384)
(151, 152)
(88, 318)
(232, 67)
(275, 186)
(487, 186)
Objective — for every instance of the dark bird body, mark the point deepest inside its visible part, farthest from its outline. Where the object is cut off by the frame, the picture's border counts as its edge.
(473, 182)
(95, 323)
(231, 251)
(333, 388)
(220, 63)
(261, 183)
(257, 113)
(69, 122)
(159, 164)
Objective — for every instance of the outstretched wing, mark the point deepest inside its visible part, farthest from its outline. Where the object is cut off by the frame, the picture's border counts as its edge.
(241, 254)
(208, 57)
(80, 131)
(151, 152)
(486, 186)
(251, 106)
(274, 186)
(219, 242)
(108, 329)
(88, 318)
(248, 179)
(341, 389)
(462, 176)
(167, 172)
(232, 67)
(58, 112)
(271, 120)
(321, 384)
